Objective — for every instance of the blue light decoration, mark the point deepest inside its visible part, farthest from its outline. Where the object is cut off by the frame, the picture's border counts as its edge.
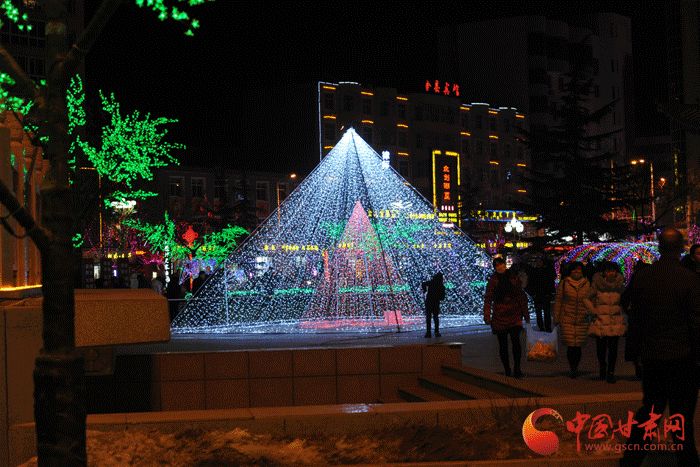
(346, 251)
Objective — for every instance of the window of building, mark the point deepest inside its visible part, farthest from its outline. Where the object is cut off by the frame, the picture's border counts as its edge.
(494, 152)
(521, 153)
(494, 178)
(509, 177)
(465, 120)
(401, 109)
(385, 136)
(506, 124)
(418, 113)
(403, 139)
(220, 189)
(383, 108)
(506, 151)
(176, 186)
(482, 176)
(477, 122)
(367, 134)
(366, 106)
(261, 191)
(403, 169)
(536, 43)
(450, 115)
(478, 147)
(328, 101)
(349, 103)
(465, 147)
(419, 140)
(493, 124)
(197, 187)
(329, 131)
(434, 113)
(538, 103)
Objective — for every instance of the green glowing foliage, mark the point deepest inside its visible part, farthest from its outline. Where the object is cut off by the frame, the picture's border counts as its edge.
(13, 14)
(9, 102)
(182, 16)
(162, 238)
(131, 146)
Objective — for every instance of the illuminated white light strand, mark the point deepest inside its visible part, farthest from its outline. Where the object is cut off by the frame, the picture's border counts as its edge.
(347, 250)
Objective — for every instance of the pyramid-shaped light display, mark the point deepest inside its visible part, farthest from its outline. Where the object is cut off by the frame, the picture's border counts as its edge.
(347, 250)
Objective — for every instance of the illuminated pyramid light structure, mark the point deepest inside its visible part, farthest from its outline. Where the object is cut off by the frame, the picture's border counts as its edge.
(347, 250)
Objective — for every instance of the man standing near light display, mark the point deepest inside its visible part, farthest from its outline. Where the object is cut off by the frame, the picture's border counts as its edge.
(435, 294)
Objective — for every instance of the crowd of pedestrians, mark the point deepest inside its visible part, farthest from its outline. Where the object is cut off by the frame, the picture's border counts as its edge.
(658, 312)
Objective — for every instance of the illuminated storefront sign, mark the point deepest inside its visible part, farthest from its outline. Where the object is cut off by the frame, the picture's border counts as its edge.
(446, 181)
(444, 89)
(501, 216)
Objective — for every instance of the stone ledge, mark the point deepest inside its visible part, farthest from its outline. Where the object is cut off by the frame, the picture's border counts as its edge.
(350, 419)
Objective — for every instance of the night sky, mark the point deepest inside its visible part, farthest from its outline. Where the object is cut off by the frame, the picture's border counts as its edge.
(246, 47)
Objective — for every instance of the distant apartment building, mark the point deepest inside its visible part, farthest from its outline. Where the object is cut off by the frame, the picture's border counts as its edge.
(194, 194)
(683, 52)
(430, 135)
(522, 62)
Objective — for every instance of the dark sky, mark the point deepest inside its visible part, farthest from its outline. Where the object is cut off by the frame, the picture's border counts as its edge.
(244, 47)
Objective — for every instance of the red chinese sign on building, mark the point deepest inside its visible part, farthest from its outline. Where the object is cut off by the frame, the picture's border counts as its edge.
(444, 89)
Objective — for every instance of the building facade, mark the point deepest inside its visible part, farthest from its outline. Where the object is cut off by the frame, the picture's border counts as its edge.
(522, 62)
(461, 157)
(683, 52)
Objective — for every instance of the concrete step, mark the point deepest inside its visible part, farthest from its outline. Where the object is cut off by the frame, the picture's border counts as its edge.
(456, 390)
(500, 384)
(420, 394)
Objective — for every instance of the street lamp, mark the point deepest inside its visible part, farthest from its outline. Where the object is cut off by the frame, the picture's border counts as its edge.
(651, 175)
(515, 226)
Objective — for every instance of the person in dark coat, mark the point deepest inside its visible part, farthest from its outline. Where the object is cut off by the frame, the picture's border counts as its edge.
(173, 293)
(691, 261)
(505, 306)
(198, 281)
(434, 290)
(541, 288)
(665, 304)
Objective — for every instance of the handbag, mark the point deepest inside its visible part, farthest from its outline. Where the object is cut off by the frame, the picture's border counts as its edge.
(542, 346)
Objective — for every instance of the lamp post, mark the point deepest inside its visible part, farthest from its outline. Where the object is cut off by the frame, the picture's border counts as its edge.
(651, 177)
(515, 226)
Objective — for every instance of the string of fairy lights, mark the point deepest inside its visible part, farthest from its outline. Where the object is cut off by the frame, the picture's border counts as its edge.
(347, 250)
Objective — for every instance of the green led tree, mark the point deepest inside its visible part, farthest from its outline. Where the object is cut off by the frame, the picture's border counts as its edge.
(59, 387)
(163, 239)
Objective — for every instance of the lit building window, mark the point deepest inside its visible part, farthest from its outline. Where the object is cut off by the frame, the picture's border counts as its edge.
(176, 186)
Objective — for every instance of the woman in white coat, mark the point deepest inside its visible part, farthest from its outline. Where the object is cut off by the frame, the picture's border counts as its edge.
(607, 324)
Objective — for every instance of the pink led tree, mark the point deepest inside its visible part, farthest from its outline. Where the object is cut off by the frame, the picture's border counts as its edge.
(361, 287)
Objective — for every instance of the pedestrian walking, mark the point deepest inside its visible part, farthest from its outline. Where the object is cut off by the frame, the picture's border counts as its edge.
(541, 288)
(505, 306)
(434, 290)
(665, 304)
(607, 320)
(632, 339)
(571, 313)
